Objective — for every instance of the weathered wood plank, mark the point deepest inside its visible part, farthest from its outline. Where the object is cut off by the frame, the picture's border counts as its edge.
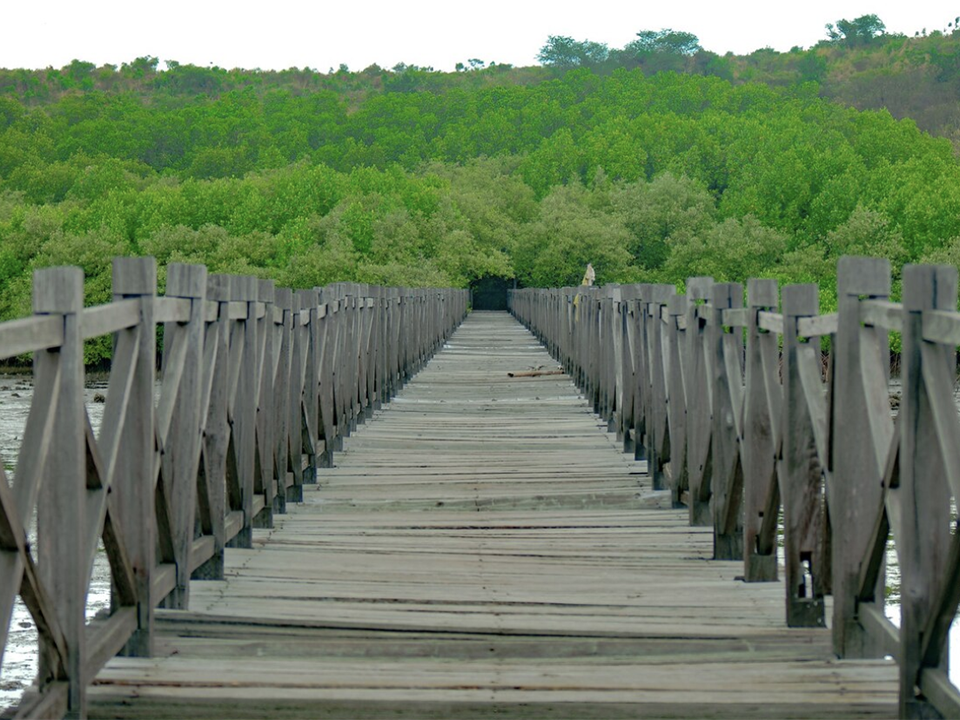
(397, 587)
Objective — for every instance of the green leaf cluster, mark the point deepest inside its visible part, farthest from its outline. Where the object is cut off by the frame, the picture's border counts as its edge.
(648, 177)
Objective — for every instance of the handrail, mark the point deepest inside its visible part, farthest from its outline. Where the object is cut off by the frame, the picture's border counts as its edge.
(249, 372)
(739, 415)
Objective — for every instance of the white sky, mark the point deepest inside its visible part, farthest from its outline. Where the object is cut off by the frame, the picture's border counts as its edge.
(281, 33)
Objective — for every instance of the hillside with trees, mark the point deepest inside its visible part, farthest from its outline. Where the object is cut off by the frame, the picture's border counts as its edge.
(415, 177)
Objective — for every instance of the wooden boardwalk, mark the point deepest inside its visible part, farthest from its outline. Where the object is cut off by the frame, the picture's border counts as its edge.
(483, 548)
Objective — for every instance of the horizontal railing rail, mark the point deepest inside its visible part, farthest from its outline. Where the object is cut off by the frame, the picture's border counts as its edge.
(745, 421)
(258, 387)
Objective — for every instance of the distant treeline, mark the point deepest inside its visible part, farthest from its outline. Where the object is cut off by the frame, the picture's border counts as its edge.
(516, 173)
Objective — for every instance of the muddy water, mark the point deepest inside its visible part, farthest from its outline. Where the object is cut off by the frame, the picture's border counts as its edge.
(20, 656)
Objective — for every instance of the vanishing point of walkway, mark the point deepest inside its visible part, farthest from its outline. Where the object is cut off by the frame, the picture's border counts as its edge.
(484, 548)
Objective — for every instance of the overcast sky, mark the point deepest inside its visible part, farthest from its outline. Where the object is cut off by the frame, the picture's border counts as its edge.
(280, 33)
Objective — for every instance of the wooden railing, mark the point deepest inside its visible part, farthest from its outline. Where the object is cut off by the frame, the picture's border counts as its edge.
(741, 417)
(257, 389)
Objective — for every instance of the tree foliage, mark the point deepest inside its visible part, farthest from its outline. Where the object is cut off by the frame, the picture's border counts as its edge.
(859, 31)
(416, 177)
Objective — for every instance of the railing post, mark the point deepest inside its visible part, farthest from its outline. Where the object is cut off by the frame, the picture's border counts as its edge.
(630, 319)
(641, 350)
(655, 381)
(286, 393)
(613, 357)
(181, 457)
(761, 418)
(244, 409)
(860, 435)
(310, 302)
(697, 379)
(134, 475)
(60, 512)
(216, 436)
(801, 472)
(923, 537)
(726, 478)
(265, 477)
(678, 480)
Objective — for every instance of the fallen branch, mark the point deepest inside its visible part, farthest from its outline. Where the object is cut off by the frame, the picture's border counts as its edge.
(534, 373)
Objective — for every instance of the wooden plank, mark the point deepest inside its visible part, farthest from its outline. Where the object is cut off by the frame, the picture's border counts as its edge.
(52, 702)
(171, 309)
(942, 326)
(400, 585)
(770, 322)
(108, 637)
(30, 335)
(818, 326)
(111, 318)
(882, 314)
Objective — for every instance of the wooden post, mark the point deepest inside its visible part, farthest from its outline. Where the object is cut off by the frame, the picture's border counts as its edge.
(923, 537)
(697, 379)
(181, 457)
(761, 418)
(657, 382)
(630, 320)
(678, 479)
(265, 477)
(216, 436)
(296, 406)
(613, 346)
(727, 386)
(803, 420)
(310, 300)
(244, 417)
(641, 349)
(134, 475)
(283, 395)
(60, 512)
(860, 436)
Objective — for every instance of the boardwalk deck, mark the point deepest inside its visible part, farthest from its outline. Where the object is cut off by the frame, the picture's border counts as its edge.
(484, 548)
